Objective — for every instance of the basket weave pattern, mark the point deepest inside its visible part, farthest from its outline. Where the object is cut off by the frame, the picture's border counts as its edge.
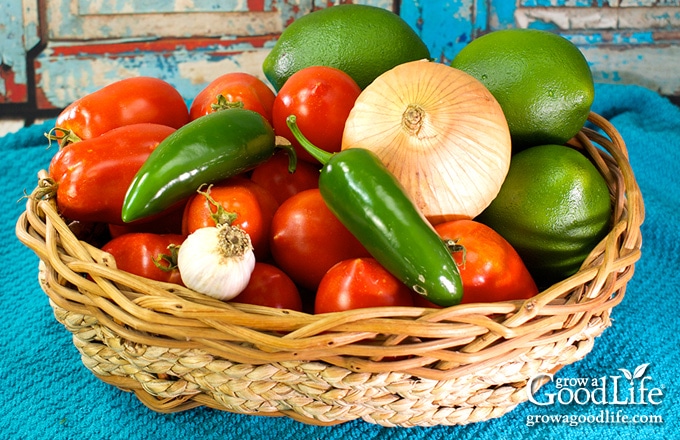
(393, 366)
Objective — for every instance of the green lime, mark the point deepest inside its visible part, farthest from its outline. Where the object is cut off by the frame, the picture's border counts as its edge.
(553, 207)
(541, 80)
(363, 41)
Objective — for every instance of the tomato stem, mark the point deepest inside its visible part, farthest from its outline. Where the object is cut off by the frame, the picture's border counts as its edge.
(170, 260)
(223, 104)
(66, 137)
(221, 216)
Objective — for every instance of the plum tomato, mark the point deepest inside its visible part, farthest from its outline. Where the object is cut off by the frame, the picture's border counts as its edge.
(360, 283)
(490, 268)
(234, 88)
(307, 239)
(274, 176)
(270, 286)
(321, 98)
(93, 175)
(147, 255)
(127, 101)
(170, 222)
(251, 205)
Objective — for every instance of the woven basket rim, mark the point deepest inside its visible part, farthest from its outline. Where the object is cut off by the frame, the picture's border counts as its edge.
(431, 345)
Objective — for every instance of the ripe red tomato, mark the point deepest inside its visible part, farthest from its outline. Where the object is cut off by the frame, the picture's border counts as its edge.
(170, 222)
(307, 239)
(321, 98)
(141, 253)
(360, 283)
(274, 176)
(253, 205)
(492, 270)
(128, 101)
(93, 175)
(270, 286)
(230, 88)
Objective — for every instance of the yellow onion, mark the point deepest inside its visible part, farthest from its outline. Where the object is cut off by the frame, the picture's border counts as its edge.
(440, 131)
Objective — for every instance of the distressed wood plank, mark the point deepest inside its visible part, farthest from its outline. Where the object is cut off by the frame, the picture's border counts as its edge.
(81, 60)
(600, 18)
(107, 7)
(625, 41)
(66, 22)
(67, 72)
(648, 3)
(655, 68)
(94, 42)
(18, 35)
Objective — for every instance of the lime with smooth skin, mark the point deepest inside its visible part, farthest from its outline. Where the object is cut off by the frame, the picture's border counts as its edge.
(541, 80)
(363, 41)
(553, 207)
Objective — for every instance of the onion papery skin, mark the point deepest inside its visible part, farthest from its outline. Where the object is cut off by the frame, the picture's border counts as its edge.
(440, 131)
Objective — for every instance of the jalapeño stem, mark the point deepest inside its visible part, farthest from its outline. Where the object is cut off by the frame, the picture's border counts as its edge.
(316, 152)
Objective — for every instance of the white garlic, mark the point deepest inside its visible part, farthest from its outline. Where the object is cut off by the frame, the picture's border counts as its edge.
(217, 261)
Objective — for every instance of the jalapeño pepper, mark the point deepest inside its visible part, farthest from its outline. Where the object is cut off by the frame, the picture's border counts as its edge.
(211, 148)
(366, 197)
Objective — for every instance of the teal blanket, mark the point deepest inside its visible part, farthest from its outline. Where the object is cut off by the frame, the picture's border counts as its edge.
(50, 394)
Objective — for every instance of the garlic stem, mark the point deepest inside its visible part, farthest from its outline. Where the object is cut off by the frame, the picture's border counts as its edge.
(233, 242)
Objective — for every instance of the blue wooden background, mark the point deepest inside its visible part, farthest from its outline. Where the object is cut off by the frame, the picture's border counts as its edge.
(54, 51)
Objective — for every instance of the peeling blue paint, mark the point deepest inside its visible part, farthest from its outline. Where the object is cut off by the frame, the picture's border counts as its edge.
(412, 12)
(446, 26)
(553, 3)
(160, 6)
(66, 78)
(385, 4)
(502, 14)
(541, 25)
(481, 18)
(585, 39)
(65, 23)
(610, 76)
(645, 49)
(12, 51)
(634, 38)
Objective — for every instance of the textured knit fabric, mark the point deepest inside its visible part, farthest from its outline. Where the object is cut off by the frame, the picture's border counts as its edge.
(48, 393)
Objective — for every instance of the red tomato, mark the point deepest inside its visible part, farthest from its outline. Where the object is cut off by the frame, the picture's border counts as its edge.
(270, 286)
(274, 176)
(128, 101)
(360, 283)
(321, 98)
(168, 223)
(307, 239)
(136, 252)
(492, 270)
(231, 88)
(253, 205)
(93, 175)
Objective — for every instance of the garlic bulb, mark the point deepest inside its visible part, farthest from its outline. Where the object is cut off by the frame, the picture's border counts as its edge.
(440, 131)
(217, 261)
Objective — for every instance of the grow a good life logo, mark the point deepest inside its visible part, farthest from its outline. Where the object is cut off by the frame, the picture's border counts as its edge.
(630, 389)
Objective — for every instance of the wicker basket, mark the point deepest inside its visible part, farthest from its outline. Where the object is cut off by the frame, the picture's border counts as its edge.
(401, 366)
